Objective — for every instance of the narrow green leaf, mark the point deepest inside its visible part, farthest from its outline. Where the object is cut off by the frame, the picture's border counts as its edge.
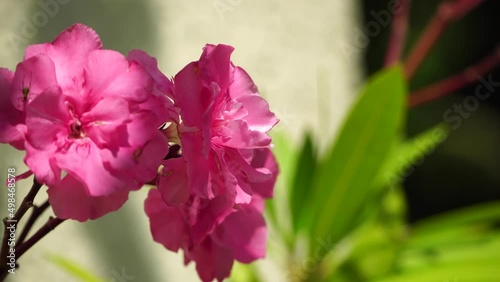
(344, 179)
(74, 269)
(409, 154)
(469, 272)
(488, 212)
(304, 172)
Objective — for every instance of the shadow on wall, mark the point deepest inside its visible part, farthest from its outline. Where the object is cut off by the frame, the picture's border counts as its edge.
(122, 25)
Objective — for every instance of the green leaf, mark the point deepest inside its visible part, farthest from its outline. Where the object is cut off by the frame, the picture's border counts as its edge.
(409, 154)
(277, 210)
(74, 269)
(244, 273)
(487, 212)
(472, 261)
(304, 172)
(462, 226)
(345, 177)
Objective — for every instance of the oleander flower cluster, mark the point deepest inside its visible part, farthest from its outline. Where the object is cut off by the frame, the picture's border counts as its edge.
(96, 125)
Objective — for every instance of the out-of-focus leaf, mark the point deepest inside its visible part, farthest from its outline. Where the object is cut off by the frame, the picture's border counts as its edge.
(286, 156)
(301, 185)
(473, 261)
(74, 269)
(409, 154)
(344, 178)
(469, 272)
(243, 273)
(488, 212)
(463, 226)
(460, 246)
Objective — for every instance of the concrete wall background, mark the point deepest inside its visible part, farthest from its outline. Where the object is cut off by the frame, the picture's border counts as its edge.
(290, 48)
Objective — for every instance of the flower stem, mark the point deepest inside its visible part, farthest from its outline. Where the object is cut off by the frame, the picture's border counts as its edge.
(51, 224)
(447, 12)
(26, 204)
(455, 82)
(399, 30)
(37, 211)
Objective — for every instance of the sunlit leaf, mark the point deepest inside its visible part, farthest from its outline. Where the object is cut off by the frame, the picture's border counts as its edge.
(345, 177)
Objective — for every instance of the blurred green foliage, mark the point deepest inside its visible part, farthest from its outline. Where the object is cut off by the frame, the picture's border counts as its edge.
(350, 207)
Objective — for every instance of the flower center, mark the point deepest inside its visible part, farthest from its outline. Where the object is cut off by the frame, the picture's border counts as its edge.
(76, 130)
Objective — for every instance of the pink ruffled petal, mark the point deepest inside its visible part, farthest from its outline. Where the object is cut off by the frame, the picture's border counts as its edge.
(10, 117)
(47, 120)
(109, 74)
(70, 199)
(198, 168)
(33, 77)
(236, 134)
(215, 66)
(248, 240)
(173, 182)
(210, 213)
(151, 66)
(69, 52)
(166, 223)
(83, 159)
(244, 91)
(106, 122)
(212, 260)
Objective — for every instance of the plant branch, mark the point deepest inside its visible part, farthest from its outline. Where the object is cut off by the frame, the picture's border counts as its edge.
(455, 82)
(447, 12)
(26, 204)
(37, 211)
(51, 224)
(399, 30)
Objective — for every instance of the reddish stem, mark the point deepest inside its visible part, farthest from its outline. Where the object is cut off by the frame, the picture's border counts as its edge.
(455, 82)
(399, 30)
(37, 212)
(446, 13)
(51, 224)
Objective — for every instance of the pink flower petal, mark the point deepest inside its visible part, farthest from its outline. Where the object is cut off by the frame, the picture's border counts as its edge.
(47, 120)
(248, 240)
(151, 66)
(69, 52)
(173, 182)
(33, 76)
(62, 197)
(9, 115)
(106, 122)
(212, 260)
(199, 166)
(166, 223)
(109, 74)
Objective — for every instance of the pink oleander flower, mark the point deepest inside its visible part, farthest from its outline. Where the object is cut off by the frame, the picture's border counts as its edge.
(88, 119)
(224, 119)
(209, 200)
